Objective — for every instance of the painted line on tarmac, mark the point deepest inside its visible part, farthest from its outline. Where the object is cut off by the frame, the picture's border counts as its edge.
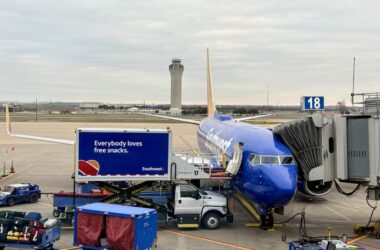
(360, 237)
(338, 214)
(186, 142)
(46, 204)
(370, 245)
(209, 240)
(21, 170)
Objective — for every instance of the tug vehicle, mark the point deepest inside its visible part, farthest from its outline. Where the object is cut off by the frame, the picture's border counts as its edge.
(19, 193)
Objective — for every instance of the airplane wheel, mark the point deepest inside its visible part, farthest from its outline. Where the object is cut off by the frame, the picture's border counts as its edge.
(10, 202)
(211, 221)
(33, 198)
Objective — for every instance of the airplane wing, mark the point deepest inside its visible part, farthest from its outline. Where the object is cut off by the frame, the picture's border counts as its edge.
(38, 138)
(251, 117)
(195, 122)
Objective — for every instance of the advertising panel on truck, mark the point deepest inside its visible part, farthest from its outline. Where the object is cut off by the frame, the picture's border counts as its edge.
(120, 154)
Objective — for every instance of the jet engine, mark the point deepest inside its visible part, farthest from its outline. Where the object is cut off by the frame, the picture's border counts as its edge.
(315, 188)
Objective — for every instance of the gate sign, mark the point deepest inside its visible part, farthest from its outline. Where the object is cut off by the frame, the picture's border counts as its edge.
(119, 154)
(313, 103)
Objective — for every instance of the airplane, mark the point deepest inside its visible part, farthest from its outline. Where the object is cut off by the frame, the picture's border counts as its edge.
(268, 175)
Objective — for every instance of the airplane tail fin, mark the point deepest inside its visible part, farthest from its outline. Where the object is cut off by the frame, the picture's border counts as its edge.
(211, 108)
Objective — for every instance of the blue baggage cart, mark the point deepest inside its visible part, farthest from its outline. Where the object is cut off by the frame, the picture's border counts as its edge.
(110, 226)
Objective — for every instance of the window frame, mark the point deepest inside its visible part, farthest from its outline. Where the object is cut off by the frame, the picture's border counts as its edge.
(253, 162)
(194, 190)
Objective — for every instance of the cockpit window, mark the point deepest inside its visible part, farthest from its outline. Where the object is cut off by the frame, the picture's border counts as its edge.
(269, 160)
(286, 160)
(254, 159)
(257, 160)
(251, 157)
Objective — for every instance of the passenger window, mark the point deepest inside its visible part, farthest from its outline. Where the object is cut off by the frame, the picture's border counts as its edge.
(269, 160)
(187, 191)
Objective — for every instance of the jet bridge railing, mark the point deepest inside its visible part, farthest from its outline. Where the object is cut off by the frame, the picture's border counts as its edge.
(370, 102)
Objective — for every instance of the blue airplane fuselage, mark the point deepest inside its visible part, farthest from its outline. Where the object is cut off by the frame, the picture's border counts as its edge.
(267, 186)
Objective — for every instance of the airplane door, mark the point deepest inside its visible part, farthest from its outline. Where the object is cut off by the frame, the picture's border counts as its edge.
(189, 201)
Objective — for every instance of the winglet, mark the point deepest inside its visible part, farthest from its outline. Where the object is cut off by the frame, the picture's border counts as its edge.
(8, 121)
(211, 108)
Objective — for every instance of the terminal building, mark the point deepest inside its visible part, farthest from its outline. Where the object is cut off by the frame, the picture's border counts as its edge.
(176, 70)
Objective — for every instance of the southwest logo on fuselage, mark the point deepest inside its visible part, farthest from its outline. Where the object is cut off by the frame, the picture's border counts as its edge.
(221, 143)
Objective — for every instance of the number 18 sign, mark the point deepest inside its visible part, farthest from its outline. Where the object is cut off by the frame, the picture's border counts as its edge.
(313, 103)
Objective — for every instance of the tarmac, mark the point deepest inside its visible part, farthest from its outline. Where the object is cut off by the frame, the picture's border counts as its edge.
(51, 166)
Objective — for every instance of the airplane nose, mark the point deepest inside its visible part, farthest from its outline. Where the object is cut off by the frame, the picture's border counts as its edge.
(284, 185)
(274, 185)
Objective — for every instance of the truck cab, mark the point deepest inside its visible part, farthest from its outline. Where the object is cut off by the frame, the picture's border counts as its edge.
(193, 206)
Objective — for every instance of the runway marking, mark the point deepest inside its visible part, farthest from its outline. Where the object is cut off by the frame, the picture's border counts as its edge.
(357, 239)
(218, 242)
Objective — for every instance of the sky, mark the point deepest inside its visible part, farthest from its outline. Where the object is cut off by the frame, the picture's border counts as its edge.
(119, 51)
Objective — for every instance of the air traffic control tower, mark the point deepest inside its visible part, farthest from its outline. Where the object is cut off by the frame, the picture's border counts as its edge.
(176, 70)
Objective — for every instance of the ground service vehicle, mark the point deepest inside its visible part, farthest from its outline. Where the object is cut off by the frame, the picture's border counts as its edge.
(143, 159)
(192, 206)
(19, 193)
(110, 156)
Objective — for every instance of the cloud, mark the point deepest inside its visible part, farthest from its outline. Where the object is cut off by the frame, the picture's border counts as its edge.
(120, 50)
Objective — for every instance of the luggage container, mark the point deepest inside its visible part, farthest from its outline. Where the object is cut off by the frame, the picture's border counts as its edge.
(109, 226)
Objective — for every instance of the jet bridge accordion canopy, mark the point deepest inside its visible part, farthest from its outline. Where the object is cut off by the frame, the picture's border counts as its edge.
(303, 138)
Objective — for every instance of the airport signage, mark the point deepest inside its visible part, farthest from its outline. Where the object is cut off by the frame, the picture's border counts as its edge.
(119, 155)
(313, 103)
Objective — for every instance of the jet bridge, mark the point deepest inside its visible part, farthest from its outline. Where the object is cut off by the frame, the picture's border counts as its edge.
(343, 147)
